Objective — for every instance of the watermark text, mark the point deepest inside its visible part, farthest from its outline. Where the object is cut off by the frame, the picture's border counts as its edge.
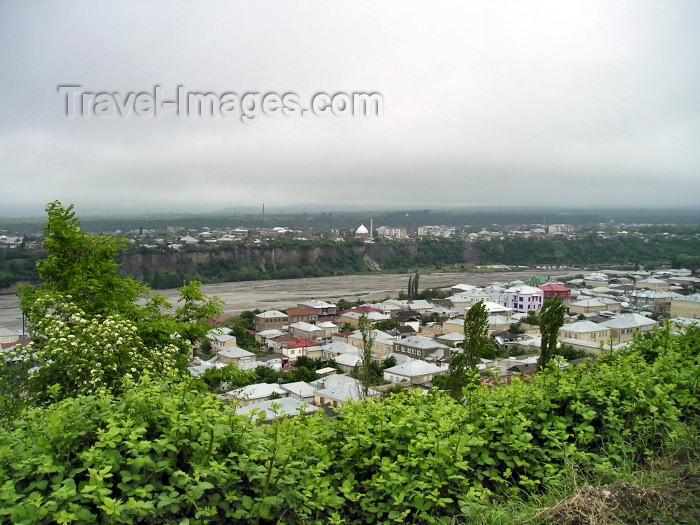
(248, 107)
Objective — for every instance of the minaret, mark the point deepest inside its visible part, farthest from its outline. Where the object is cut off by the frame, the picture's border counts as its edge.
(371, 227)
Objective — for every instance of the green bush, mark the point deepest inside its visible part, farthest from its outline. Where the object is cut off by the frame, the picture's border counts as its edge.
(166, 453)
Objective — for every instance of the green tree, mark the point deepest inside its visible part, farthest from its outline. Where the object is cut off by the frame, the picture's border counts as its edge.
(551, 320)
(462, 369)
(92, 328)
(196, 311)
(78, 355)
(81, 266)
(413, 285)
(386, 324)
(476, 333)
(365, 327)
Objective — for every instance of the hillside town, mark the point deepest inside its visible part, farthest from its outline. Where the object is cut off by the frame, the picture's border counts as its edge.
(418, 337)
(177, 237)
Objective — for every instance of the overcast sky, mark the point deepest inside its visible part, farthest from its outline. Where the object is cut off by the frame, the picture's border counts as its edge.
(484, 103)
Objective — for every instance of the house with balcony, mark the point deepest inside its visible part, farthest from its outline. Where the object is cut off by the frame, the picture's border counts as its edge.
(594, 305)
(8, 336)
(554, 290)
(235, 355)
(352, 317)
(421, 347)
(257, 393)
(324, 311)
(657, 302)
(652, 283)
(301, 347)
(524, 298)
(337, 389)
(584, 335)
(305, 315)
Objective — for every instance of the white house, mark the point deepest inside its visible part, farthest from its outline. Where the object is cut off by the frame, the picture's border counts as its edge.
(413, 372)
(257, 393)
(524, 298)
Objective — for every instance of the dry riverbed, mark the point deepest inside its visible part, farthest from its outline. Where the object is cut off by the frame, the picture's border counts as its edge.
(277, 294)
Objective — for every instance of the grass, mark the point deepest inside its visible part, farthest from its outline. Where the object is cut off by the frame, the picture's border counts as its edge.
(662, 490)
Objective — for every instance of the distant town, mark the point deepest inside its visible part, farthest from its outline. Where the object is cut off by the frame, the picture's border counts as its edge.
(414, 339)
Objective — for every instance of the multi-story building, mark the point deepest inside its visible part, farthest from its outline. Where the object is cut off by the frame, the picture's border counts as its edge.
(392, 233)
(553, 290)
(524, 298)
(421, 347)
(657, 302)
(325, 311)
(686, 306)
(272, 319)
(623, 328)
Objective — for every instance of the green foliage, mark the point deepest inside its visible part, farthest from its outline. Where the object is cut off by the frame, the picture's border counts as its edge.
(247, 318)
(231, 377)
(162, 452)
(81, 266)
(78, 355)
(388, 362)
(18, 265)
(413, 286)
(429, 294)
(92, 327)
(462, 371)
(592, 249)
(165, 453)
(531, 318)
(386, 324)
(569, 353)
(365, 372)
(344, 304)
(551, 320)
(476, 331)
(196, 311)
(228, 378)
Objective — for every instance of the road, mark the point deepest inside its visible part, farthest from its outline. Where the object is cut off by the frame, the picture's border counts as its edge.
(278, 294)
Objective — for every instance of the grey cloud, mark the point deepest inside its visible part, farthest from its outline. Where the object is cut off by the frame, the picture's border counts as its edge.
(485, 103)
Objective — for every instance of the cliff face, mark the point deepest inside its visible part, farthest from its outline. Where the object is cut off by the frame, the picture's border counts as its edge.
(264, 257)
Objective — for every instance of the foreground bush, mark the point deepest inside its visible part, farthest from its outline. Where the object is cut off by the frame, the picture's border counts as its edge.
(165, 453)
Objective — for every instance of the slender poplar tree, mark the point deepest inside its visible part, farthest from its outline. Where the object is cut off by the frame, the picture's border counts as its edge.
(551, 320)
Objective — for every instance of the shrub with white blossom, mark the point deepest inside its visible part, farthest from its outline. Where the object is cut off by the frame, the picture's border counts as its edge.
(76, 354)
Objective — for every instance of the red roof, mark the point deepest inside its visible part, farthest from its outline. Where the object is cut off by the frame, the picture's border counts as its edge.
(301, 343)
(554, 288)
(300, 312)
(8, 346)
(217, 320)
(360, 310)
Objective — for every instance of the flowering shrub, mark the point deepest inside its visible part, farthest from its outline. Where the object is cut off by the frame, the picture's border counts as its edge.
(77, 355)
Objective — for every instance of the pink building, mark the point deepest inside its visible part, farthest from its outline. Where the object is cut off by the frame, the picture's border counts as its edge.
(524, 298)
